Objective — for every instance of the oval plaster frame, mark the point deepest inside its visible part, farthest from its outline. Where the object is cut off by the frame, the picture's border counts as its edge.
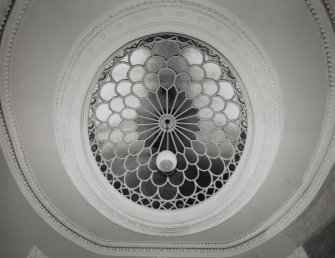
(243, 51)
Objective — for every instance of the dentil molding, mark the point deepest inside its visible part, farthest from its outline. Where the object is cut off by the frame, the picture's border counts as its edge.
(14, 152)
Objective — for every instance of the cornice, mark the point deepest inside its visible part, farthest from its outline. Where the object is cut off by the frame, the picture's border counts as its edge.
(10, 143)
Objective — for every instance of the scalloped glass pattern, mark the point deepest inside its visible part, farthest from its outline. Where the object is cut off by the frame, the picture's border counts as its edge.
(147, 82)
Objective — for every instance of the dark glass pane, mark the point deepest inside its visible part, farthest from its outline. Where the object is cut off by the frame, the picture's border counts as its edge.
(158, 178)
(191, 172)
(131, 179)
(131, 162)
(217, 167)
(204, 179)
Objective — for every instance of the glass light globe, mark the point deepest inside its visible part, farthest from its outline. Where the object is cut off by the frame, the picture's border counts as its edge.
(166, 161)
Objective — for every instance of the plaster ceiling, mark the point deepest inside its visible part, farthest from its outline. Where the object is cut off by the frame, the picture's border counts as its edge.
(286, 65)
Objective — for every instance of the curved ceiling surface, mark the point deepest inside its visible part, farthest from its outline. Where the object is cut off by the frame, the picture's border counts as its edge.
(46, 79)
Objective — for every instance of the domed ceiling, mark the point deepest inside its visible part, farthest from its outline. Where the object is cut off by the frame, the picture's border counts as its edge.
(174, 128)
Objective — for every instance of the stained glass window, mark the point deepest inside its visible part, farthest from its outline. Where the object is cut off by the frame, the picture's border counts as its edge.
(185, 81)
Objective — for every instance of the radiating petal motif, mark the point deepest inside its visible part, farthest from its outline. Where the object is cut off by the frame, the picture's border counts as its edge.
(196, 73)
(204, 179)
(155, 64)
(143, 172)
(131, 163)
(217, 166)
(177, 63)
(176, 178)
(191, 172)
(131, 179)
(158, 178)
(168, 191)
(204, 162)
(187, 188)
(182, 81)
(118, 167)
(148, 188)
(166, 77)
(166, 49)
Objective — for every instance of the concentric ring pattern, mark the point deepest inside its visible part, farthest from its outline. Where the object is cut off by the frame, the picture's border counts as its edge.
(176, 78)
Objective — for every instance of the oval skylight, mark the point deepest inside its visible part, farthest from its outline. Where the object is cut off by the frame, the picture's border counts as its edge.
(167, 92)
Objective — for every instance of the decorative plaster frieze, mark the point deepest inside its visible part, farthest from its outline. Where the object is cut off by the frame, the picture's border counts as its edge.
(12, 147)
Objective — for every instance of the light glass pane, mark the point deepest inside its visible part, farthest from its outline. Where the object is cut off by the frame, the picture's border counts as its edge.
(116, 136)
(218, 103)
(129, 113)
(123, 88)
(232, 111)
(132, 101)
(201, 101)
(140, 90)
(206, 125)
(213, 71)
(192, 55)
(114, 120)
(102, 112)
(139, 56)
(205, 113)
(131, 137)
(136, 73)
(116, 104)
(232, 131)
(194, 90)
(107, 91)
(120, 71)
(226, 90)
(197, 73)
(220, 119)
(210, 87)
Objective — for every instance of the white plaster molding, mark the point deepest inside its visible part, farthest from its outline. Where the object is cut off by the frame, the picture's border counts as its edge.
(11, 146)
(330, 7)
(35, 252)
(298, 253)
(5, 8)
(244, 52)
